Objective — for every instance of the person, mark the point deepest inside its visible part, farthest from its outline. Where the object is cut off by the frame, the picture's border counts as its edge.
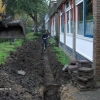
(44, 37)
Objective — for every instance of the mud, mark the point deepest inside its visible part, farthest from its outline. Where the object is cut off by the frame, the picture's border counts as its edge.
(23, 87)
(39, 71)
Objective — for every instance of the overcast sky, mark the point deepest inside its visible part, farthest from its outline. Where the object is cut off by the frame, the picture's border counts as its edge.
(48, 1)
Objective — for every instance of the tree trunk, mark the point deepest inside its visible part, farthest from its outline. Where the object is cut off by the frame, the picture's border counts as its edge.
(35, 24)
(96, 40)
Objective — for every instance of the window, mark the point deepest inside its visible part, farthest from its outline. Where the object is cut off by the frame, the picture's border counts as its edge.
(69, 14)
(62, 20)
(88, 18)
(71, 18)
(67, 21)
(80, 19)
(62, 23)
(67, 3)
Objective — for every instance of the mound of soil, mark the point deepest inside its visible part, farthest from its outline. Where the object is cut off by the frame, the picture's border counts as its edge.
(29, 59)
(14, 86)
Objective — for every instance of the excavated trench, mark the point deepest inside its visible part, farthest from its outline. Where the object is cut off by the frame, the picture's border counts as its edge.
(40, 81)
(51, 87)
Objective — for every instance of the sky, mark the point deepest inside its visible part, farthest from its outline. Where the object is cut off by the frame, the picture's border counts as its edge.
(48, 1)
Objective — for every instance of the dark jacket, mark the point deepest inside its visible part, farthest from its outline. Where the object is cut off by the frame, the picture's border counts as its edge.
(44, 36)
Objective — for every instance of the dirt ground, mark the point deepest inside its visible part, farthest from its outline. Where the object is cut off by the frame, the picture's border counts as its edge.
(33, 74)
(30, 59)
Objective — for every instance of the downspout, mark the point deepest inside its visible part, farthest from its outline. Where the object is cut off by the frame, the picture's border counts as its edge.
(74, 34)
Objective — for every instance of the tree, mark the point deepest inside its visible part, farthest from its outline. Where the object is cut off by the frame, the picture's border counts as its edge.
(30, 7)
(96, 39)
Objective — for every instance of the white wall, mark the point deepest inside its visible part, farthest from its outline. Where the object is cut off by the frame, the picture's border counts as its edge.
(62, 37)
(85, 47)
(69, 41)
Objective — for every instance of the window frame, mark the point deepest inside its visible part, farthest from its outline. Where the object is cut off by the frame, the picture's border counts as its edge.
(84, 19)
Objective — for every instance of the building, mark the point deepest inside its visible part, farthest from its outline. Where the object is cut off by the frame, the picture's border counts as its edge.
(52, 22)
(47, 22)
(75, 26)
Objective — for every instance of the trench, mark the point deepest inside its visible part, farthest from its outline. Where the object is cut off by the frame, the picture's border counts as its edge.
(51, 88)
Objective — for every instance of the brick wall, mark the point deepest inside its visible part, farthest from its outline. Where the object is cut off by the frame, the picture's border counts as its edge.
(96, 42)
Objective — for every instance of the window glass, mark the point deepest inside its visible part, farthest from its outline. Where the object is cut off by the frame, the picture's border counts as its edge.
(68, 22)
(80, 19)
(67, 3)
(71, 16)
(89, 18)
(62, 23)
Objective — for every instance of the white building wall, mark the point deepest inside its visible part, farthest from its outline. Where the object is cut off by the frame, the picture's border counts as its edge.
(69, 41)
(62, 38)
(85, 47)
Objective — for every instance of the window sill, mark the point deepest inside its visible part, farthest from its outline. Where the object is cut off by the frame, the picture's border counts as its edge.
(69, 34)
(84, 38)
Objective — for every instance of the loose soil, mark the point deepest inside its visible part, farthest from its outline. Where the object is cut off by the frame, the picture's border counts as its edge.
(43, 74)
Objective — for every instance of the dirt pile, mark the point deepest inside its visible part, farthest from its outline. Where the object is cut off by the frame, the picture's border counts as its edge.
(14, 86)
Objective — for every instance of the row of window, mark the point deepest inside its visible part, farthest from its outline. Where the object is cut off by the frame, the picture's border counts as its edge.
(83, 18)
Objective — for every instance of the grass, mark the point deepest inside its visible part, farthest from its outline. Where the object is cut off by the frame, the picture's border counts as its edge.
(5, 47)
(61, 56)
(30, 36)
(3, 57)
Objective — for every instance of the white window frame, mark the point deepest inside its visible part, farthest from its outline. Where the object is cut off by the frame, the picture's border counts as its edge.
(66, 10)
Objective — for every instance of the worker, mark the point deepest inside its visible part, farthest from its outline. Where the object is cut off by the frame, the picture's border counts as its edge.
(44, 37)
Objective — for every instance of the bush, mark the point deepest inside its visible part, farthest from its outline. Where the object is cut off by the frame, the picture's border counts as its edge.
(56, 39)
(28, 29)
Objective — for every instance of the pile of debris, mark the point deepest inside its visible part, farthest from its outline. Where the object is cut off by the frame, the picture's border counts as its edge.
(85, 78)
(82, 74)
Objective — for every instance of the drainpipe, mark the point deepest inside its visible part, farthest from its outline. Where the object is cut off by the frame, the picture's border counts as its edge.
(74, 34)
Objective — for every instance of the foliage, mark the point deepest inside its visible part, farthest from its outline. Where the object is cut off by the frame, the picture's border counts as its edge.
(56, 39)
(3, 57)
(30, 7)
(61, 56)
(52, 41)
(5, 47)
(39, 33)
(3, 40)
(30, 36)
(28, 29)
